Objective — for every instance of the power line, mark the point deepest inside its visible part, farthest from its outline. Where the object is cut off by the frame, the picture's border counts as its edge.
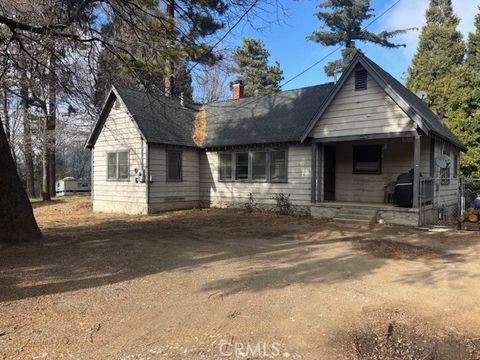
(320, 60)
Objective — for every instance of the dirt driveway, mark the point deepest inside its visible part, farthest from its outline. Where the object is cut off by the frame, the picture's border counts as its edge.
(215, 284)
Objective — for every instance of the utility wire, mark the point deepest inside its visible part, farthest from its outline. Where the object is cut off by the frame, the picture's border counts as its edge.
(318, 61)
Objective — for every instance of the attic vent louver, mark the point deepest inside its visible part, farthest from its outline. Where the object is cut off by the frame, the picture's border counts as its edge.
(360, 80)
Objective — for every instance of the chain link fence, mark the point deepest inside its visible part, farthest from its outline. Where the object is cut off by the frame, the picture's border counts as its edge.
(449, 201)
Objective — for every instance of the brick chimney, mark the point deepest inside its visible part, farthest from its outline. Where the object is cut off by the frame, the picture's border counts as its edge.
(237, 90)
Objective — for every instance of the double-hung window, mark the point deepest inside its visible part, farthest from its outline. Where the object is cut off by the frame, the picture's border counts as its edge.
(174, 165)
(259, 165)
(278, 165)
(117, 165)
(225, 166)
(241, 166)
(255, 165)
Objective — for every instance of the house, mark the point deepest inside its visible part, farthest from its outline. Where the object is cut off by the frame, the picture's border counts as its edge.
(334, 148)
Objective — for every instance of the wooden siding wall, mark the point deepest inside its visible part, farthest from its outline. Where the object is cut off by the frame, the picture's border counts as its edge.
(168, 195)
(119, 133)
(397, 158)
(369, 111)
(235, 194)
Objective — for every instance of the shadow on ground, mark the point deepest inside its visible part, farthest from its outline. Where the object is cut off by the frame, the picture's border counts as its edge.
(267, 251)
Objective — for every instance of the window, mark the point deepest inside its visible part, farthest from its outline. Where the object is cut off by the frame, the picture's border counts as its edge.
(225, 166)
(367, 159)
(278, 165)
(174, 165)
(445, 172)
(117, 165)
(241, 166)
(259, 165)
(361, 80)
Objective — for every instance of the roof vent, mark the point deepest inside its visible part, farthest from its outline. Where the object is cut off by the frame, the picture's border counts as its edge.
(360, 80)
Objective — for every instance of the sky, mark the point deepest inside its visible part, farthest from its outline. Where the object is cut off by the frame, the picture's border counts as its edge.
(288, 45)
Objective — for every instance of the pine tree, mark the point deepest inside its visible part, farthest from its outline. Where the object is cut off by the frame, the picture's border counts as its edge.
(344, 19)
(470, 130)
(252, 66)
(440, 51)
(451, 84)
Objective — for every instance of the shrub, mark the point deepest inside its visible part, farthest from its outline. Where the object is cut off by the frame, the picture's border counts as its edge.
(251, 204)
(284, 205)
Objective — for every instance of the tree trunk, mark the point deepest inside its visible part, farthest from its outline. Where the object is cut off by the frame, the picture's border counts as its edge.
(17, 222)
(6, 117)
(52, 115)
(169, 68)
(46, 158)
(27, 136)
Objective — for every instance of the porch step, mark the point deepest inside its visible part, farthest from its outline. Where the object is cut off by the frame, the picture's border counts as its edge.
(357, 215)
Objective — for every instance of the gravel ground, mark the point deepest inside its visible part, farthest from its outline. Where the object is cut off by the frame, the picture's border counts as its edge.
(222, 284)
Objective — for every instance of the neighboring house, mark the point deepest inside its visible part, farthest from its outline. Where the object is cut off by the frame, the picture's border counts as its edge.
(333, 148)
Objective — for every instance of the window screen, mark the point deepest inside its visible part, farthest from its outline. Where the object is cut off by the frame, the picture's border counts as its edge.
(367, 159)
(259, 165)
(241, 166)
(278, 165)
(174, 165)
(117, 165)
(361, 80)
(226, 166)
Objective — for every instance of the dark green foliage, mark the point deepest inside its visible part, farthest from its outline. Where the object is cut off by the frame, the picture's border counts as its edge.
(344, 21)
(251, 65)
(452, 84)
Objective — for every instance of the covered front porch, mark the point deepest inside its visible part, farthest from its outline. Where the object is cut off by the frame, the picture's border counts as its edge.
(354, 176)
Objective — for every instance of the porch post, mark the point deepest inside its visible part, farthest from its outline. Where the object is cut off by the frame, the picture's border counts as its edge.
(313, 189)
(416, 170)
(320, 172)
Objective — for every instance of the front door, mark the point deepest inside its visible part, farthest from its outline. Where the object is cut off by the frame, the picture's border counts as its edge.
(330, 159)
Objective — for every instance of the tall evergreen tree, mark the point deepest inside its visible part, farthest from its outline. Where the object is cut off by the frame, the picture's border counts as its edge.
(470, 127)
(440, 51)
(344, 21)
(252, 66)
(439, 69)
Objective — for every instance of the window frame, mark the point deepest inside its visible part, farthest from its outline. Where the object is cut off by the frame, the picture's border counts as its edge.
(445, 178)
(367, 172)
(455, 165)
(250, 152)
(232, 169)
(284, 180)
(167, 165)
(117, 164)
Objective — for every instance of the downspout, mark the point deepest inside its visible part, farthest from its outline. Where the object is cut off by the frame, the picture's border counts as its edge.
(92, 167)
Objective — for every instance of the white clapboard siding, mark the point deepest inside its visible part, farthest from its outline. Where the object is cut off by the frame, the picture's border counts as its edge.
(233, 193)
(119, 133)
(369, 111)
(167, 195)
(397, 158)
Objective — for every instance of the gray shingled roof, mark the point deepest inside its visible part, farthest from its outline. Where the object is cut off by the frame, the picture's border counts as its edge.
(432, 121)
(161, 120)
(286, 116)
(278, 117)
